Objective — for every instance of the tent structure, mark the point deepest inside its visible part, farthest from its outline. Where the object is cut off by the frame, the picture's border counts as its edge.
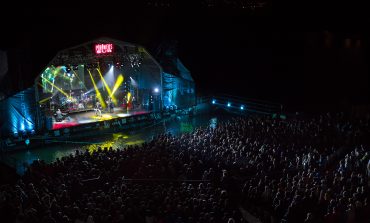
(178, 84)
(106, 68)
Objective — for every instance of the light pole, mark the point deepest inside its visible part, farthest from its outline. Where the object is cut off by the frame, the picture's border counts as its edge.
(156, 101)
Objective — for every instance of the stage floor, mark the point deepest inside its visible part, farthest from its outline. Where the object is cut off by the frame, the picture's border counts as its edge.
(84, 117)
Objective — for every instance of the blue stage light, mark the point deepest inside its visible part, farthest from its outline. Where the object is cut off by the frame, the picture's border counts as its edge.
(27, 141)
(213, 101)
(242, 107)
(22, 128)
(228, 104)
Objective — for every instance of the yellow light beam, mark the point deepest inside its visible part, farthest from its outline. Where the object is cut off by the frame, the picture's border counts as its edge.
(44, 100)
(56, 87)
(102, 102)
(128, 97)
(56, 70)
(107, 87)
(118, 83)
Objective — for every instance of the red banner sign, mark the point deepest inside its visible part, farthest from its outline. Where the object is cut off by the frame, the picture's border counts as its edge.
(103, 48)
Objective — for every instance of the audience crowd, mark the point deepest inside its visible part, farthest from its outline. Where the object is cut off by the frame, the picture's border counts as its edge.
(279, 170)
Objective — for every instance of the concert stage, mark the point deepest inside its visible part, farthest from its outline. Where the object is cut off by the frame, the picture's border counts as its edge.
(90, 116)
(98, 74)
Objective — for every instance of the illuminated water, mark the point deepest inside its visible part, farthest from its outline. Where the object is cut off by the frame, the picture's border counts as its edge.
(179, 125)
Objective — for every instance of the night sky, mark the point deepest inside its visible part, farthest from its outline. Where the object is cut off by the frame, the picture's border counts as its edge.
(315, 65)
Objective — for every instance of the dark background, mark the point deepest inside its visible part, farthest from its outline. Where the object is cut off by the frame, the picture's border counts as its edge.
(306, 63)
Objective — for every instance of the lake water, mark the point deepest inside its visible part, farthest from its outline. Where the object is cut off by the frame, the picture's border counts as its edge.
(49, 153)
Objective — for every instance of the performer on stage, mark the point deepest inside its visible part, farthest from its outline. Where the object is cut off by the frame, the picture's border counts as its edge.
(124, 104)
(98, 109)
(59, 115)
(81, 106)
(111, 105)
(133, 101)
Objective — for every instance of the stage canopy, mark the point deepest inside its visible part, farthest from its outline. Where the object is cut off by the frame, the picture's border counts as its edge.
(104, 67)
(104, 71)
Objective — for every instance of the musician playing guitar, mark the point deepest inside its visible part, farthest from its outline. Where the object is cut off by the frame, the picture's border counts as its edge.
(98, 109)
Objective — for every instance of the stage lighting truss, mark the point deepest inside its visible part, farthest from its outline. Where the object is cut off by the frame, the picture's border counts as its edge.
(92, 65)
(135, 59)
(119, 60)
(119, 64)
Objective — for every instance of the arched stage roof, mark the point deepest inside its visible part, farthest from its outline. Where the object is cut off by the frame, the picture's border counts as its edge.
(22, 66)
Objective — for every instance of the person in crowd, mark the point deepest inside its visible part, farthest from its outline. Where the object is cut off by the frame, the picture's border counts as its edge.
(279, 170)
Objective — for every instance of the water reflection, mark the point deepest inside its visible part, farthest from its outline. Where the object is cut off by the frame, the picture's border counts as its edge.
(175, 126)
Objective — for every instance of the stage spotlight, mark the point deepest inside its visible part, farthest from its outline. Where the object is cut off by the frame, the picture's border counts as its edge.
(228, 104)
(156, 90)
(98, 94)
(213, 101)
(117, 84)
(107, 87)
(242, 107)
